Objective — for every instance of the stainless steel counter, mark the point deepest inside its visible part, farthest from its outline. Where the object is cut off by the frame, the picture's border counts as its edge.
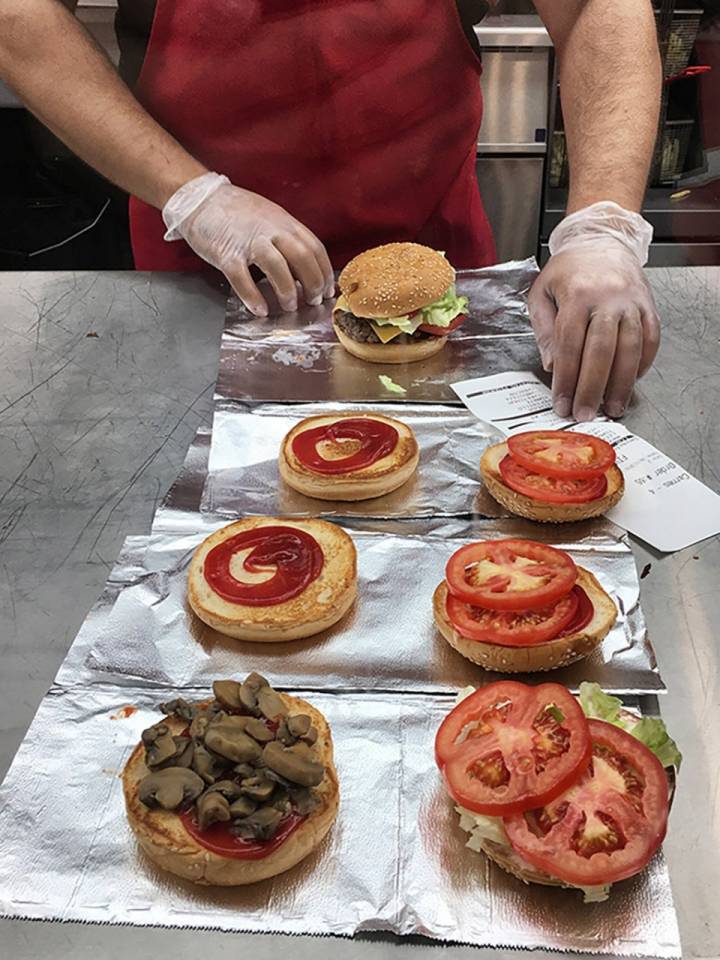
(104, 379)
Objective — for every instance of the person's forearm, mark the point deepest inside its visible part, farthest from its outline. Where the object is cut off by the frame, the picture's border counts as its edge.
(610, 81)
(62, 77)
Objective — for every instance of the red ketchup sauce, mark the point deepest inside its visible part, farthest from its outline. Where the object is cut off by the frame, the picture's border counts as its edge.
(376, 439)
(218, 838)
(583, 614)
(296, 556)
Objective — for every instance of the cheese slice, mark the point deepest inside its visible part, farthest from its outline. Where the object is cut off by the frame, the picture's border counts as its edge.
(385, 333)
(341, 304)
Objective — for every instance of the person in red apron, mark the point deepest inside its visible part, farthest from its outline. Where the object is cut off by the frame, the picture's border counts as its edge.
(289, 135)
(348, 119)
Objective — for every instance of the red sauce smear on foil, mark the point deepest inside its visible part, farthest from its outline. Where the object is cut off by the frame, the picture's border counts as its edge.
(295, 555)
(219, 839)
(376, 438)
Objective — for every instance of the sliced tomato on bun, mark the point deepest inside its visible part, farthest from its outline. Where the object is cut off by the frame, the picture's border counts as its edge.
(561, 453)
(550, 489)
(608, 824)
(510, 747)
(510, 574)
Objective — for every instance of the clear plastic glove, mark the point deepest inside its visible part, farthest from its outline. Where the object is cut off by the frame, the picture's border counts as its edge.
(592, 310)
(233, 229)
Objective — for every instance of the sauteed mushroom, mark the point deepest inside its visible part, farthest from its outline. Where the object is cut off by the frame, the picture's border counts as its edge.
(179, 708)
(270, 703)
(242, 807)
(249, 691)
(258, 788)
(205, 764)
(293, 765)
(212, 807)
(170, 788)
(298, 725)
(228, 788)
(229, 740)
(227, 694)
(199, 725)
(261, 825)
(258, 730)
(159, 744)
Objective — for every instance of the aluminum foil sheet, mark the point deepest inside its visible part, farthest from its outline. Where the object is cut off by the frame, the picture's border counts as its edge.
(243, 472)
(63, 791)
(388, 641)
(296, 356)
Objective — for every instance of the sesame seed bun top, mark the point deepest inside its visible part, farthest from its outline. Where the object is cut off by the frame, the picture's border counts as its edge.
(395, 279)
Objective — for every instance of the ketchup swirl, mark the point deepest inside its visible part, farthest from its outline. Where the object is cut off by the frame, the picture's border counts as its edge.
(377, 439)
(296, 556)
(219, 839)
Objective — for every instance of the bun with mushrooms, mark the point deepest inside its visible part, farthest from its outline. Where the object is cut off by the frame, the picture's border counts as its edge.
(397, 304)
(235, 789)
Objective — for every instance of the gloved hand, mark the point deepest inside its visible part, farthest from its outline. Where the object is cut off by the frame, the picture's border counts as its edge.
(592, 310)
(232, 229)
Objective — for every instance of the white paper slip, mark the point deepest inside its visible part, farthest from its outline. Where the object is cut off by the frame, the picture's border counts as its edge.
(663, 504)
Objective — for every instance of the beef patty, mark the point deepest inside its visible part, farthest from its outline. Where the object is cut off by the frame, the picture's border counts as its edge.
(361, 331)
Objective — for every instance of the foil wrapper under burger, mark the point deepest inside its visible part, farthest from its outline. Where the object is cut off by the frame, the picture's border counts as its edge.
(388, 640)
(296, 356)
(243, 474)
(395, 860)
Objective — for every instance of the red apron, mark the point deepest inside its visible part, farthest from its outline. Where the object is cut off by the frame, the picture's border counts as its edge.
(359, 117)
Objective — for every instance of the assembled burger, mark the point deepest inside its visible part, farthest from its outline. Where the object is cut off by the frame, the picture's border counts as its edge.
(397, 304)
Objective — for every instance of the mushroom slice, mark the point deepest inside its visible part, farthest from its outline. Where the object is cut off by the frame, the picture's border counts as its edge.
(303, 800)
(228, 788)
(292, 765)
(199, 725)
(310, 737)
(271, 703)
(261, 825)
(212, 807)
(227, 694)
(259, 788)
(298, 725)
(244, 770)
(242, 807)
(284, 735)
(231, 742)
(170, 788)
(258, 730)
(184, 751)
(205, 764)
(159, 744)
(249, 691)
(179, 708)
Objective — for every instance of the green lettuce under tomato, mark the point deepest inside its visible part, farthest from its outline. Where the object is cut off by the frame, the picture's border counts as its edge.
(442, 312)
(439, 313)
(649, 730)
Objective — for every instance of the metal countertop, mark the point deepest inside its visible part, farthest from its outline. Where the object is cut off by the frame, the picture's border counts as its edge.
(104, 379)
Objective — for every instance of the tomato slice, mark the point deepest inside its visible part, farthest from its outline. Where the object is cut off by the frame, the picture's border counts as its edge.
(512, 628)
(443, 331)
(550, 489)
(508, 745)
(559, 453)
(605, 827)
(583, 613)
(510, 574)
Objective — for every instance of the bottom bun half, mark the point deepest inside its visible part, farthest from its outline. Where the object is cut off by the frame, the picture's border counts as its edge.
(391, 352)
(522, 506)
(162, 836)
(541, 656)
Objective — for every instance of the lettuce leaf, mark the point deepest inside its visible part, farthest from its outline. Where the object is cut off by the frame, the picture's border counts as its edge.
(439, 313)
(649, 730)
(442, 312)
(390, 384)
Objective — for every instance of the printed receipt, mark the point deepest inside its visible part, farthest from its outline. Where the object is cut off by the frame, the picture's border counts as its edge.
(663, 504)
